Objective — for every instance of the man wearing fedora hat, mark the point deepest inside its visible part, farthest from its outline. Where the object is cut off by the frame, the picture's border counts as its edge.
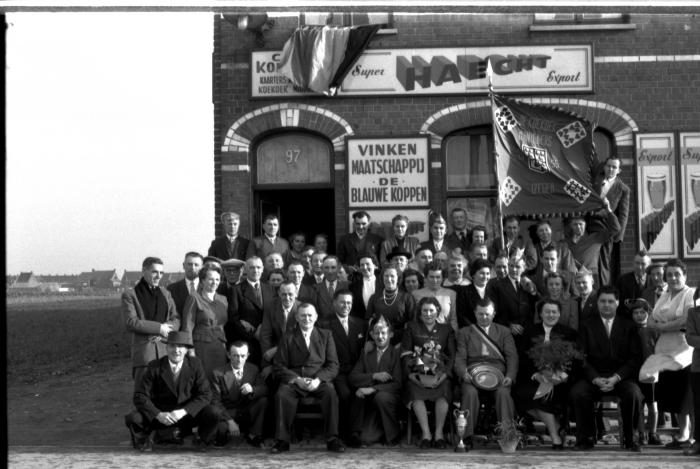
(398, 257)
(150, 314)
(172, 397)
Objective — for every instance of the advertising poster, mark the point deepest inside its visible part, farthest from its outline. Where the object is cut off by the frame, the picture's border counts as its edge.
(690, 193)
(656, 194)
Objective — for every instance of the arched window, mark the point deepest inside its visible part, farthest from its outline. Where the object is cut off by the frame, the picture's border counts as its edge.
(604, 144)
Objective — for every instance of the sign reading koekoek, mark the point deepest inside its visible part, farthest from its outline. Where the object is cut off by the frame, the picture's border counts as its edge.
(458, 70)
(387, 172)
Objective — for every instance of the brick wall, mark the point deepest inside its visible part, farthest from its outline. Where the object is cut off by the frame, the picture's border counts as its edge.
(657, 95)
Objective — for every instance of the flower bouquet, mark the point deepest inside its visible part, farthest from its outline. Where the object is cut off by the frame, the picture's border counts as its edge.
(552, 359)
(427, 363)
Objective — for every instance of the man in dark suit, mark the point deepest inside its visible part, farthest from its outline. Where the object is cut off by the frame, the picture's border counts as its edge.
(486, 342)
(279, 317)
(514, 243)
(269, 241)
(326, 289)
(377, 378)
(514, 298)
(181, 289)
(358, 242)
(305, 365)
(438, 230)
(608, 184)
(400, 240)
(548, 264)
(150, 314)
(458, 239)
(230, 244)
(295, 274)
(613, 355)
(240, 397)
(632, 284)
(172, 397)
(245, 308)
(349, 337)
(316, 269)
(587, 296)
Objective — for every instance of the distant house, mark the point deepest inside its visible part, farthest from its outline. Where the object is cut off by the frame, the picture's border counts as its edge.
(58, 283)
(26, 281)
(109, 279)
(131, 278)
(172, 277)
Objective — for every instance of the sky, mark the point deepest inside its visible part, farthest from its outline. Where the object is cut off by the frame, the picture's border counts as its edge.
(109, 135)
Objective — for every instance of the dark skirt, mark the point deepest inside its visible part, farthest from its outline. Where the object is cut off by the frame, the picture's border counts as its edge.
(555, 404)
(419, 393)
(670, 389)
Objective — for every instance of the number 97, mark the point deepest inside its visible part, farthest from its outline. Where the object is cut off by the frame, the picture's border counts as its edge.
(292, 155)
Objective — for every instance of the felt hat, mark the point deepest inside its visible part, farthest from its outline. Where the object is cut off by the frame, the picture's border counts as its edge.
(397, 251)
(180, 338)
(212, 259)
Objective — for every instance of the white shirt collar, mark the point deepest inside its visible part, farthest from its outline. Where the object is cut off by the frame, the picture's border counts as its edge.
(175, 367)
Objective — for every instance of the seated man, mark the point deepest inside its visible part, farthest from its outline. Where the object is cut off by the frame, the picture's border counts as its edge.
(239, 396)
(348, 337)
(613, 355)
(305, 365)
(377, 377)
(172, 397)
(486, 343)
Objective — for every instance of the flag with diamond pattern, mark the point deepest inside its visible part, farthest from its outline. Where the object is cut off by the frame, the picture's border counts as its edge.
(545, 160)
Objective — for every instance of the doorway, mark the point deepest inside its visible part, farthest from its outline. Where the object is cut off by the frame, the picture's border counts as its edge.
(310, 211)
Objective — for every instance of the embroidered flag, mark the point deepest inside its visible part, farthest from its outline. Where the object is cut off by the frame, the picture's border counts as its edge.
(546, 160)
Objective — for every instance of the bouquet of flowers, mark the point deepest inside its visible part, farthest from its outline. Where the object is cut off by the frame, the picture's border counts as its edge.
(552, 359)
(427, 361)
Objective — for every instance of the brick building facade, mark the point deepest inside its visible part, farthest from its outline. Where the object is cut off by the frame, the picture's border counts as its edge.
(645, 79)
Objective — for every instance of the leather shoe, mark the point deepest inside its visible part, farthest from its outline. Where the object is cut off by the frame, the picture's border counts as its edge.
(393, 443)
(255, 441)
(653, 439)
(279, 447)
(583, 446)
(634, 446)
(692, 450)
(354, 441)
(146, 445)
(425, 444)
(675, 443)
(440, 444)
(335, 445)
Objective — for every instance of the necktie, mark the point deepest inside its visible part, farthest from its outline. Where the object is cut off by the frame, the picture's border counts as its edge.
(191, 288)
(331, 288)
(344, 322)
(608, 326)
(239, 375)
(307, 339)
(258, 295)
(379, 355)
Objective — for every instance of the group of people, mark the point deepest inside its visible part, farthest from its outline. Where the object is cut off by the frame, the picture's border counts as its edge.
(387, 328)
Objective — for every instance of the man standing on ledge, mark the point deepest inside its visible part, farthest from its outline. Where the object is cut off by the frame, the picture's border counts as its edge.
(305, 365)
(270, 241)
(230, 245)
(359, 242)
(150, 314)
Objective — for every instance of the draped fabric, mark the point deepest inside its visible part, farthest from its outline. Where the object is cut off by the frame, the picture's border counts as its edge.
(545, 160)
(319, 57)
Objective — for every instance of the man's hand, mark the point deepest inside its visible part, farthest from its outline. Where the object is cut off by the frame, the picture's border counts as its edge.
(246, 389)
(507, 382)
(381, 376)
(270, 354)
(233, 428)
(165, 418)
(247, 326)
(362, 392)
(301, 383)
(313, 384)
(600, 382)
(178, 414)
(516, 329)
(165, 329)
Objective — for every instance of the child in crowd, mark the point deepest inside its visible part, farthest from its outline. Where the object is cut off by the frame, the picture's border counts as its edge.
(640, 314)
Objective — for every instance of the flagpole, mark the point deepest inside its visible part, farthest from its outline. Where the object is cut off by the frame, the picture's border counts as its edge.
(499, 208)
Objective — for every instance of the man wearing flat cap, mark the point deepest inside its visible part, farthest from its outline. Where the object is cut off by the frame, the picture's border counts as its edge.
(171, 398)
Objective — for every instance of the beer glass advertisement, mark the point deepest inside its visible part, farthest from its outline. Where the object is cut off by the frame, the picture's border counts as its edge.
(656, 194)
(690, 192)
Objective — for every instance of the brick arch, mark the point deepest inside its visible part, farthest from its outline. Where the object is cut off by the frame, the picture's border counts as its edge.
(473, 113)
(286, 115)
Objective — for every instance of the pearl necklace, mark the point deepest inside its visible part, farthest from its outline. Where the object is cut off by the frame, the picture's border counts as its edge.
(392, 297)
